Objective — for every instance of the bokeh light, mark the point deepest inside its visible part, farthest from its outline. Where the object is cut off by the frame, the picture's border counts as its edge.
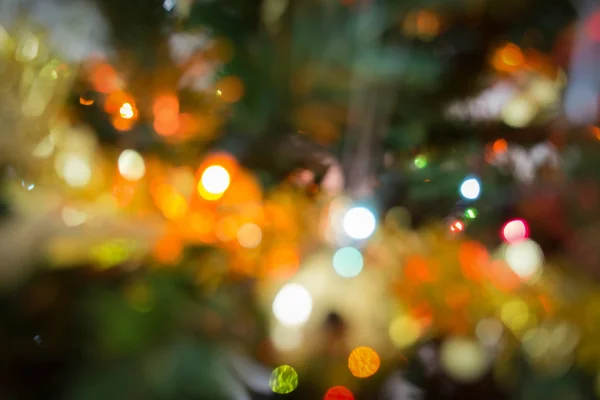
(471, 213)
(131, 165)
(463, 359)
(122, 124)
(85, 102)
(514, 231)
(404, 331)
(420, 161)
(363, 362)
(525, 258)
(470, 189)
(457, 226)
(519, 112)
(231, 89)
(172, 204)
(292, 305)
(359, 223)
(489, 331)
(348, 262)
(126, 111)
(74, 169)
(515, 314)
(338, 393)
(166, 115)
(285, 338)
(284, 379)
(73, 217)
(249, 235)
(215, 180)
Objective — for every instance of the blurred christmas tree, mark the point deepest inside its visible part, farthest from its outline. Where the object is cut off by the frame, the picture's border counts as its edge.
(197, 191)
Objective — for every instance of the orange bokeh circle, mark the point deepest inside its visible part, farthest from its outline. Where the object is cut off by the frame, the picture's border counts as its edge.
(363, 362)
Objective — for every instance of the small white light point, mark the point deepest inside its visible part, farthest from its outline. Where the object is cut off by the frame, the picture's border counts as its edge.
(131, 165)
(470, 189)
(292, 305)
(359, 223)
